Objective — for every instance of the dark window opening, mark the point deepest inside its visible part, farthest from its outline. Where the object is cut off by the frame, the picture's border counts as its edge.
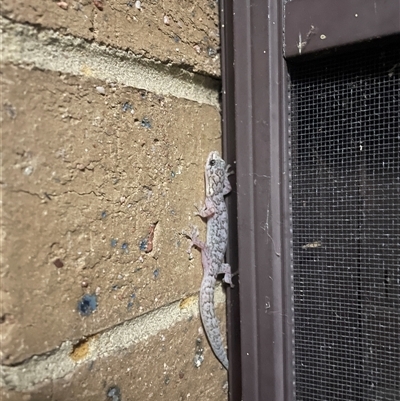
(345, 185)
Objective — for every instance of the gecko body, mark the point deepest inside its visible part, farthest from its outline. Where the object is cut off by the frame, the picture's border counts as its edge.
(213, 250)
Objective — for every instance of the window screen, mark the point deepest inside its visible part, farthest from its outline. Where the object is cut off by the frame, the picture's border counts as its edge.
(345, 184)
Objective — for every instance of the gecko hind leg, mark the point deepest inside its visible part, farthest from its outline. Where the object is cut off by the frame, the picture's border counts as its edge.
(194, 240)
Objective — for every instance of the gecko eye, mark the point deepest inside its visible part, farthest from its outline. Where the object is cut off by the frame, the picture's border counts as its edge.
(212, 162)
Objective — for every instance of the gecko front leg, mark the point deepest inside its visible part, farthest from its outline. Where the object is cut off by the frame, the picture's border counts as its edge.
(227, 185)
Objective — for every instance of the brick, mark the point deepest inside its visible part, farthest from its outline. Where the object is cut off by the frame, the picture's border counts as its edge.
(48, 50)
(86, 174)
(160, 368)
(185, 33)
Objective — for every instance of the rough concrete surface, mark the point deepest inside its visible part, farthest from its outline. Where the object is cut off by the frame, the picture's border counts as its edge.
(175, 364)
(184, 33)
(65, 361)
(49, 50)
(98, 183)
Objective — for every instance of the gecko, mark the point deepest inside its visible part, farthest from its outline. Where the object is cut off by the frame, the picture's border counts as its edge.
(213, 250)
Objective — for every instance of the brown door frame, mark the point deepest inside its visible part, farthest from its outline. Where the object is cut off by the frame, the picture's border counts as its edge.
(255, 127)
(312, 26)
(256, 142)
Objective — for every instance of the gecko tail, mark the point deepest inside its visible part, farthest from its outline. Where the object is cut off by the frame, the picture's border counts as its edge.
(224, 360)
(220, 353)
(210, 321)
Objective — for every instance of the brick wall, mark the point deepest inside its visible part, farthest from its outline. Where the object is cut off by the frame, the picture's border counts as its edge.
(109, 109)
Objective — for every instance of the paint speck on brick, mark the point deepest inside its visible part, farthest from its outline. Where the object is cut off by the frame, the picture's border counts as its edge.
(28, 170)
(80, 350)
(87, 305)
(63, 5)
(143, 244)
(146, 122)
(131, 301)
(99, 4)
(114, 393)
(58, 263)
(127, 107)
(10, 110)
(124, 247)
(101, 90)
(211, 52)
(199, 357)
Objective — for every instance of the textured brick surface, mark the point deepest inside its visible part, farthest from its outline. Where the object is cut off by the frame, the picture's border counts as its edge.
(160, 368)
(182, 32)
(86, 174)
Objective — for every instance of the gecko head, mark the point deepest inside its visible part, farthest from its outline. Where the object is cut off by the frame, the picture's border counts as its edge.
(215, 173)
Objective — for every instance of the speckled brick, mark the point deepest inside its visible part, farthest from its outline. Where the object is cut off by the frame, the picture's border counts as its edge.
(161, 368)
(99, 182)
(185, 33)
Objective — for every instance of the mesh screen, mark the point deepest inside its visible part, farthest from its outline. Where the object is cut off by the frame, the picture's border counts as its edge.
(345, 169)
